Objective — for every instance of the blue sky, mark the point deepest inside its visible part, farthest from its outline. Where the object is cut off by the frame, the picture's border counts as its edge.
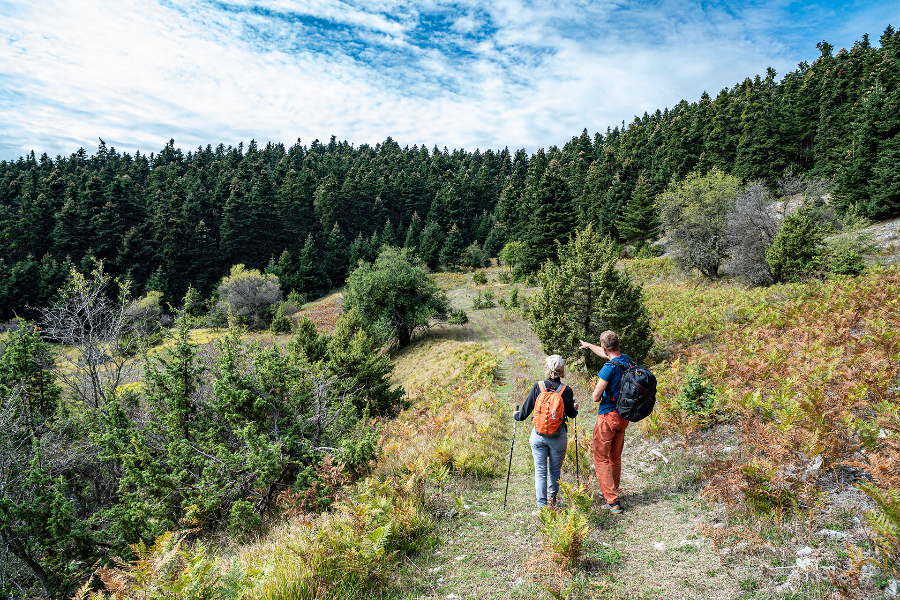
(513, 73)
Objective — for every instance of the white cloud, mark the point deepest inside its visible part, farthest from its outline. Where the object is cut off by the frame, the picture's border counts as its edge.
(509, 73)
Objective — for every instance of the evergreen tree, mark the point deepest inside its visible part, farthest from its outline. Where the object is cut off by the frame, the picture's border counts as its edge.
(311, 277)
(452, 249)
(551, 222)
(639, 221)
(796, 247)
(336, 256)
(413, 232)
(388, 236)
(430, 244)
(582, 295)
(495, 241)
(353, 355)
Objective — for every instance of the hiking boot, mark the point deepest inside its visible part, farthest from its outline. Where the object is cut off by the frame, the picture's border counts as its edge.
(616, 508)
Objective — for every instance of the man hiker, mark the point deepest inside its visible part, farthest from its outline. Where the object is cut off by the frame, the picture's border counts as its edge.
(609, 430)
(552, 402)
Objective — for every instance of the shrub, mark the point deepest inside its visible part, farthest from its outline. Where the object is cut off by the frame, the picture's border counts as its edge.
(514, 297)
(249, 295)
(475, 256)
(794, 250)
(698, 395)
(483, 300)
(479, 278)
(844, 262)
(280, 323)
(243, 518)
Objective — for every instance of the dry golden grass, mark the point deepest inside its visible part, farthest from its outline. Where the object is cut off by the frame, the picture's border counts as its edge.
(324, 312)
(455, 414)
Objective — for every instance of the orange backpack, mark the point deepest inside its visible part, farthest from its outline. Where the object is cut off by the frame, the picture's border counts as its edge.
(549, 409)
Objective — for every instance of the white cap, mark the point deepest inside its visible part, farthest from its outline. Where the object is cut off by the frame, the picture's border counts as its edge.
(555, 362)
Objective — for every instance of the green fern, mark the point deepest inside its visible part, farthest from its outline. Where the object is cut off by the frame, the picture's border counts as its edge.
(885, 526)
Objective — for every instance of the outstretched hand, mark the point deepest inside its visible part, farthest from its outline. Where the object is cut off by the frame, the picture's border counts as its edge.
(598, 350)
(517, 415)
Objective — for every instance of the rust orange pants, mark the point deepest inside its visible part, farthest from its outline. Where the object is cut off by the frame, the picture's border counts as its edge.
(608, 441)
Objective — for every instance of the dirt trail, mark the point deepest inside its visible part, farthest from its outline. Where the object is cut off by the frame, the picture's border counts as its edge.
(652, 551)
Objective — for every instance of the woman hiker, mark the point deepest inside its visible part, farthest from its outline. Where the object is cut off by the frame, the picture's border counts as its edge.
(552, 402)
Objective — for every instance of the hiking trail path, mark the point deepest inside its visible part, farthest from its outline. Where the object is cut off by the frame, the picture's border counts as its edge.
(653, 550)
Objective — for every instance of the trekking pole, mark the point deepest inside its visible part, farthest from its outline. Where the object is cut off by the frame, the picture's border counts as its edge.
(577, 466)
(509, 469)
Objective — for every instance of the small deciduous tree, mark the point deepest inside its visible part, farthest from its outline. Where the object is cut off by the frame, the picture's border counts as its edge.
(584, 295)
(695, 215)
(89, 321)
(249, 294)
(752, 225)
(511, 254)
(395, 296)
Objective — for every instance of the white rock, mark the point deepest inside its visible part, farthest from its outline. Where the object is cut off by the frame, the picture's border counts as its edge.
(893, 589)
(804, 563)
(718, 525)
(451, 596)
(831, 533)
(483, 514)
(817, 463)
(784, 588)
(805, 551)
(659, 546)
(656, 452)
(882, 433)
(519, 581)
(435, 570)
(440, 580)
(460, 557)
(466, 506)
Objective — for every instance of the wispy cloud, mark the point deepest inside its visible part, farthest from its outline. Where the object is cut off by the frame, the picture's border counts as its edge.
(462, 74)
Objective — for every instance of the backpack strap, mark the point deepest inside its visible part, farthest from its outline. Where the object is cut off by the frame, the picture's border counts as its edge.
(624, 367)
(542, 386)
(560, 389)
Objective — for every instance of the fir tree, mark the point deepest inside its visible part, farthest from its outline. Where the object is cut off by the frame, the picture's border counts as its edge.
(584, 294)
(551, 222)
(452, 249)
(639, 221)
(311, 277)
(413, 232)
(430, 243)
(336, 256)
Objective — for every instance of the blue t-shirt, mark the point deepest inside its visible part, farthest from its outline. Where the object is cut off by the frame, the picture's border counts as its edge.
(612, 374)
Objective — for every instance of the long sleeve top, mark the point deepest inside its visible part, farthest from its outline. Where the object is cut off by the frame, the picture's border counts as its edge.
(551, 384)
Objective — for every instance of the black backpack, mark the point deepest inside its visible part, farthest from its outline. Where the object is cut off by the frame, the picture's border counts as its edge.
(637, 392)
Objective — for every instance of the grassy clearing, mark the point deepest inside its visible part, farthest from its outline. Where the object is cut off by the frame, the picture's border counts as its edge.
(721, 504)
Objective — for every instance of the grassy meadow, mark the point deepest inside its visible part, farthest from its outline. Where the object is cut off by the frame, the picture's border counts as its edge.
(766, 471)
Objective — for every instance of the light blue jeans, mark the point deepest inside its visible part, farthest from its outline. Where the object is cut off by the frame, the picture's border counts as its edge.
(548, 455)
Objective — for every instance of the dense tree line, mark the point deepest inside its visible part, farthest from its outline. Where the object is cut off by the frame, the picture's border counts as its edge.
(172, 220)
